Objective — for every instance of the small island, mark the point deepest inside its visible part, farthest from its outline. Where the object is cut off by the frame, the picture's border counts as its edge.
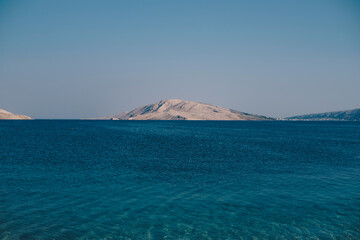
(177, 109)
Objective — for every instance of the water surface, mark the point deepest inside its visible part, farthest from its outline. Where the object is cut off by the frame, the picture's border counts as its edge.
(179, 180)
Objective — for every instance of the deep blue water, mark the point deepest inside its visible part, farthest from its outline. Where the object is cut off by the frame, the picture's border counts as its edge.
(179, 180)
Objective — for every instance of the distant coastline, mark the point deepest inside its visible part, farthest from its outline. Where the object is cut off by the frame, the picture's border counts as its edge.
(347, 115)
(177, 109)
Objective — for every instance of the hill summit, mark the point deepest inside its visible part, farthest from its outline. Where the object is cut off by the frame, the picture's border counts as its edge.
(176, 109)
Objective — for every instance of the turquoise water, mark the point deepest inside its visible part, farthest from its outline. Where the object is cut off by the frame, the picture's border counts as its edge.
(179, 180)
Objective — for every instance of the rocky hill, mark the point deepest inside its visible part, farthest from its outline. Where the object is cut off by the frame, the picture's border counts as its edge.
(176, 109)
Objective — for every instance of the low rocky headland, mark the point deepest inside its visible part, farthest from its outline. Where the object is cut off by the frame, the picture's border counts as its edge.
(347, 115)
(8, 115)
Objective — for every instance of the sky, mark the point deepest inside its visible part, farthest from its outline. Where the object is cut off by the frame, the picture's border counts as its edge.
(85, 58)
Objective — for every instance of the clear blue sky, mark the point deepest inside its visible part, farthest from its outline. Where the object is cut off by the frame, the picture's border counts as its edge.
(73, 58)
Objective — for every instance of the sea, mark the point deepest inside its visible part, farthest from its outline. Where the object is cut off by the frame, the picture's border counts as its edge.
(93, 179)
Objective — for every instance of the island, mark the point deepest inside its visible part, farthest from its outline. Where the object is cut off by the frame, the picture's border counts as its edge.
(177, 109)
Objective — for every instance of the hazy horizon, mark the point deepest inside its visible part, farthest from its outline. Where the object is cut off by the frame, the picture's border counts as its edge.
(84, 59)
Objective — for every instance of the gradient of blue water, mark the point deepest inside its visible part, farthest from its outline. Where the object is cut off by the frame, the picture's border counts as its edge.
(179, 180)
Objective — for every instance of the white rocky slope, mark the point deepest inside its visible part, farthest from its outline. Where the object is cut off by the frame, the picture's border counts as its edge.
(176, 109)
(8, 115)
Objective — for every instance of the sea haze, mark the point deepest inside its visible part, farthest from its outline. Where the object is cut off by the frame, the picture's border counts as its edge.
(179, 180)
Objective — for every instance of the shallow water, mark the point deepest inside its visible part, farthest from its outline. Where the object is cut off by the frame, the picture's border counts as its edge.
(179, 180)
